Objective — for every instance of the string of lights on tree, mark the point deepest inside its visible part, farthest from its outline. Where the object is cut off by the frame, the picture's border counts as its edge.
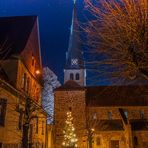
(70, 140)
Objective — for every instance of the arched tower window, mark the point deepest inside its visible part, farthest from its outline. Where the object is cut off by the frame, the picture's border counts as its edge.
(77, 76)
(71, 76)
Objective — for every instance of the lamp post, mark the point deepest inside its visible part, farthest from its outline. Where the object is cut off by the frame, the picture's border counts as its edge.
(90, 137)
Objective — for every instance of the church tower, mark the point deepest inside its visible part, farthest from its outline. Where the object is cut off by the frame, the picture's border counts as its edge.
(74, 68)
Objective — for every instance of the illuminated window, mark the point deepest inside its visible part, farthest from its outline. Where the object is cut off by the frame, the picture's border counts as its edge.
(94, 116)
(71, 76)
(24, 81)
(77, 76)
(3, 104)
(32, 61)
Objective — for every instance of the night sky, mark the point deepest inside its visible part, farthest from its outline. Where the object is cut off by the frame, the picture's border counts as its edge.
(54, 21)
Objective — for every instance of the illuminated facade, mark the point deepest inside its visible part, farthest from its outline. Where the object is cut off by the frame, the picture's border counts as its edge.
(104, 116)
(21, 84)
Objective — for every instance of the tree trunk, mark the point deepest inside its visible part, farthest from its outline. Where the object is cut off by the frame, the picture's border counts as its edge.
(90, 142)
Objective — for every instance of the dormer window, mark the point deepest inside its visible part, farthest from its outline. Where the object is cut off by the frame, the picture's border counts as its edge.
(33, 60)
(24, 81)
(142, 114)
(126, 114)
(71, 76)
(94, 116)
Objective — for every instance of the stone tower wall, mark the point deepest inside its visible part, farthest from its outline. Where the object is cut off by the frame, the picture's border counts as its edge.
(76, 101)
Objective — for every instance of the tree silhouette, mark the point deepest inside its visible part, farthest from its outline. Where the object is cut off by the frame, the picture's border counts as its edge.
(118, 31)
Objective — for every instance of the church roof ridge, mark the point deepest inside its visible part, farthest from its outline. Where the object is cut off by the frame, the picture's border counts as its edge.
(71, 85)
(129, 95)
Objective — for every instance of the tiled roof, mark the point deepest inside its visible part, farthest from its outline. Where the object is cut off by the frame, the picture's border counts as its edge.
(138, 125)
(117, 96)
(14, 34)
(109, 125)
(70, 85)
(3, 75)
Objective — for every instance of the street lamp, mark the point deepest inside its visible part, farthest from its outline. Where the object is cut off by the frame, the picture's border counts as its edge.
(90, 136)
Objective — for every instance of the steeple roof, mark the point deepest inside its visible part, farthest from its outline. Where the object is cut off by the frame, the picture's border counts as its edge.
(74, 56)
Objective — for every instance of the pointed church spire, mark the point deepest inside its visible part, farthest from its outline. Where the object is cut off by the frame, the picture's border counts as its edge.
(74, 69)
(74, 57)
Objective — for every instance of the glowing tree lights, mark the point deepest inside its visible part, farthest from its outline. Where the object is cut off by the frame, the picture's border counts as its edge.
(70, 140)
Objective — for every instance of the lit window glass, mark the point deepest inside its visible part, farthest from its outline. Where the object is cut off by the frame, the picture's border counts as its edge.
(94, 116)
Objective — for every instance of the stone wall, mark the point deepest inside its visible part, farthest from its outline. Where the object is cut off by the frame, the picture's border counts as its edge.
(125, 136)
(10, 133)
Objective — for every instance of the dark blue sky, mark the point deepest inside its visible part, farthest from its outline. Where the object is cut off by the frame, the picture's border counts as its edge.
(54, 20)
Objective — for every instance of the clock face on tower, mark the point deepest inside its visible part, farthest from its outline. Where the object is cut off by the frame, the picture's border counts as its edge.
(74, 62)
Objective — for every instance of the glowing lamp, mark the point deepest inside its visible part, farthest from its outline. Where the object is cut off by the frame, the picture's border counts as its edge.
(37, 72)
(92, 129)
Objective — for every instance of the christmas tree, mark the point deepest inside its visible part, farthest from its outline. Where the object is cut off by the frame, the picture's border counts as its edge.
(70, 140)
